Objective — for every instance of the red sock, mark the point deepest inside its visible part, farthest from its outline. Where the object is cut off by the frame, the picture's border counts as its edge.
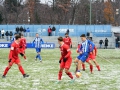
(6, 71)
(70, 75)
(59, 75)
(21, 70)
(91, 68)
(98, 67)
(83, 66)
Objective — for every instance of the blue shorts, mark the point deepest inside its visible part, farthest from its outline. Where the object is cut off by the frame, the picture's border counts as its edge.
(83, 57)
(38, 50)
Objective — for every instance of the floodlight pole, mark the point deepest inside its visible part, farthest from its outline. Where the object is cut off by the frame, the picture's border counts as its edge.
(90, 12)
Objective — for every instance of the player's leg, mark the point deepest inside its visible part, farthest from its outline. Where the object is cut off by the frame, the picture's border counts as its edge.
(21, 68)
(79, 65)
(76, 64)
(60, 73)
(91, 66)
(81, 59)
(37, 53)
(97, 65)
(83, 66)
(67, 66)
(39, 56)
(8, 68)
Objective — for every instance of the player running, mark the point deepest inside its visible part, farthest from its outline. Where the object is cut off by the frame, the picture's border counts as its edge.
(13, 58)
(22, 46)
(67, 40)
(65, 60)
(84, 52)
(92, 56)
(38, 41)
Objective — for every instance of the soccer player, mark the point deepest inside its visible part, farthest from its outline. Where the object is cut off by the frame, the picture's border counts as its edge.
(13, 57)
(22, 46)
(65, 60)
(67, 40)
(92, 56)
(38, 41)
(84, 52)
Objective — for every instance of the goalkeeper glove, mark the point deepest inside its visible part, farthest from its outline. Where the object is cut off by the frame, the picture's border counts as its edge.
(22, 54)
(59, 61)
(9, 60)
(20, 46)
(65, 59)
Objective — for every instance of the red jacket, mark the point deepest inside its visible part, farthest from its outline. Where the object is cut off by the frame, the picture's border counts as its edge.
(49, 30)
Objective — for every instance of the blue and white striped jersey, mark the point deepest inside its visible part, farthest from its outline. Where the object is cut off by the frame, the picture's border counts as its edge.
(13, 39)
(38, 41)
(85, 46)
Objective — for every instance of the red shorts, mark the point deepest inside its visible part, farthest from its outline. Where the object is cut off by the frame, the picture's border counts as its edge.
(16, 61)
(66, 64)
(90, 57)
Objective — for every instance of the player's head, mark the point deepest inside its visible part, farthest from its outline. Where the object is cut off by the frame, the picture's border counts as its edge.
(37, 35)
(83, 37)
(60, 40)
(66, 35)
(17, 38)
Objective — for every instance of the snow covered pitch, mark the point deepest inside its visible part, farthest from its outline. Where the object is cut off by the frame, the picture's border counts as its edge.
(44, 75)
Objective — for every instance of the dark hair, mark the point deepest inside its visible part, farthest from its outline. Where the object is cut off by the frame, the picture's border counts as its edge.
(60, 39)
(83, 35)
(37, 33)
(66, 33)
(17, 37)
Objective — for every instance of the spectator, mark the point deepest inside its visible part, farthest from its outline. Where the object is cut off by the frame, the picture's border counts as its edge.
(25, 32)
(106, 43)
(7, 35)
(2, 32)
(17, 29)
(101, 42)
(11, 34)
(117, 42)
(53, 30)
(49, 31)
(21, 29)
(28, 32)
(67, 31)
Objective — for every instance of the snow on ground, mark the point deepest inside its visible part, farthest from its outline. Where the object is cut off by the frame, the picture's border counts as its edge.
(44, 75)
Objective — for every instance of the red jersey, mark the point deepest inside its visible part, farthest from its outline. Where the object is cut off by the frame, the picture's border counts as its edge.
(94, 51)
(14, 51)
(65, 51)
(23, 43)
(49, 30)
(67, 40)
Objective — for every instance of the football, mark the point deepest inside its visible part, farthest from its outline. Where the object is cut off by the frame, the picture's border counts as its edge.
(78, 74)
